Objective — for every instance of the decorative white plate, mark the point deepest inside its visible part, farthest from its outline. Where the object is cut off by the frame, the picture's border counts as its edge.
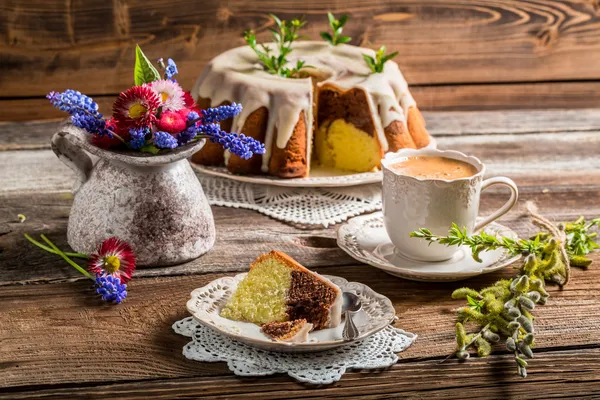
(319, 176)
(206, 303)
(366, 240)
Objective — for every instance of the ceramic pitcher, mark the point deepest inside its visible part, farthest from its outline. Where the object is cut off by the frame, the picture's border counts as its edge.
(154, 202)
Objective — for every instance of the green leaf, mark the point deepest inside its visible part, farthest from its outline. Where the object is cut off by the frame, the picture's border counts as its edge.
(149, 148)
(344, 39)
(370, 62)
(331, 18)
(389, 57)
(474, 304)
(343, 19)
(327, 37)
(276, 19)
(144, 71)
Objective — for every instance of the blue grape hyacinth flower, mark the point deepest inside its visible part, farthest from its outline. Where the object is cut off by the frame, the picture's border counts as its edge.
(221, 113)
(84, 111)
(238, 144)
(164, 140)
(138, 137)
(110, 288)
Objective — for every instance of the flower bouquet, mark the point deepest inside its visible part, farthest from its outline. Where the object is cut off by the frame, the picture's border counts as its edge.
(154, 114)
(141, 188)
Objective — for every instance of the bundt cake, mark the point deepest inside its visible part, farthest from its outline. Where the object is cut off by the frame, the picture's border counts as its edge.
(355, 116)
(284, 298)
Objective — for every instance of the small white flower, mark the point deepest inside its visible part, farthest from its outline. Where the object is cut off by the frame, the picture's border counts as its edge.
(170, 94)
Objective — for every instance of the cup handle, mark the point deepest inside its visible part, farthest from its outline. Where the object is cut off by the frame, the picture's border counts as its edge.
(66, 149)
(514, 195)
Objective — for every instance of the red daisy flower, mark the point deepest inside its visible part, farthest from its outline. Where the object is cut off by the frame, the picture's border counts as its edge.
(189, 102)
(136, 107)
(113, 257)
(172, 122)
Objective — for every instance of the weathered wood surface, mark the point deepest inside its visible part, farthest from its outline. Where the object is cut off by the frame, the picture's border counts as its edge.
(553, 45)
(455, 97)
(405, 380)
(59, 342)
(82, 339)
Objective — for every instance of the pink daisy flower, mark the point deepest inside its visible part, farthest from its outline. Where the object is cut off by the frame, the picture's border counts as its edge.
(170, 94)
(113, 257)
(136, 107)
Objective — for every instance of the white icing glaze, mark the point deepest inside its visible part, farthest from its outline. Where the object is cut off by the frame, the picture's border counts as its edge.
(237, 76)
(335, 312)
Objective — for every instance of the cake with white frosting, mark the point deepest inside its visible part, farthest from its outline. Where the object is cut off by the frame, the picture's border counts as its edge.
(342, 115)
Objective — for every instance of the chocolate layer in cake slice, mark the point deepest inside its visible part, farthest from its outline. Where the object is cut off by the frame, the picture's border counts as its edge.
(278, 289)
(295, 331)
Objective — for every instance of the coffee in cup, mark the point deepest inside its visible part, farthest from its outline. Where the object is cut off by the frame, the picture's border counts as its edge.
(433, 167)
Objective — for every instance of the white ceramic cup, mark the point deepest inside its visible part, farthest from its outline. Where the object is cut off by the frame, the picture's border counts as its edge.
(411, 203)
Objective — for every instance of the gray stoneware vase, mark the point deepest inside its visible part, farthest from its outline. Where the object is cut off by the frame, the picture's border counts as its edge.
(154, 202)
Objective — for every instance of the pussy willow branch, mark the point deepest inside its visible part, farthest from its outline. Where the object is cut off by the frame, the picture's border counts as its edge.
(544, 223)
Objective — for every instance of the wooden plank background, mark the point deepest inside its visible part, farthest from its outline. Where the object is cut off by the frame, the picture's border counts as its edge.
(469, 54)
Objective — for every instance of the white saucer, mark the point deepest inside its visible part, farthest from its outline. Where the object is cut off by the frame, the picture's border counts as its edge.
(206, 303)
(366, 240)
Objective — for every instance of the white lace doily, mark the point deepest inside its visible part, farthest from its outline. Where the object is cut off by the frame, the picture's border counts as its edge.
(376, 351)
(308, 206)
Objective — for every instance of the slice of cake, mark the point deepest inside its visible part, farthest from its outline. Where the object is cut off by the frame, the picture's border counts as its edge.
(289, 331)
(277, 289)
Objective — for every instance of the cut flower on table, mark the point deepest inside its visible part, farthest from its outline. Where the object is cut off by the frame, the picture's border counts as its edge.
(111, 266)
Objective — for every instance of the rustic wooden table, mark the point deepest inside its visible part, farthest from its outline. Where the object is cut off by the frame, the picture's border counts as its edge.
(57, 341)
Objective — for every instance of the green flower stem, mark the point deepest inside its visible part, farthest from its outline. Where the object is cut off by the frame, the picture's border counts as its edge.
(67, 259)
(49, 250)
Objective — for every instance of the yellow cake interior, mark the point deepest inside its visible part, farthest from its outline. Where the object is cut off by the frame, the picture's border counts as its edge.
(261, 296)
(341, 145)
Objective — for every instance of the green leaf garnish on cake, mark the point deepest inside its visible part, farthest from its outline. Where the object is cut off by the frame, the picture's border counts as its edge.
(274, 62)
(376, 64)
(337, 27)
